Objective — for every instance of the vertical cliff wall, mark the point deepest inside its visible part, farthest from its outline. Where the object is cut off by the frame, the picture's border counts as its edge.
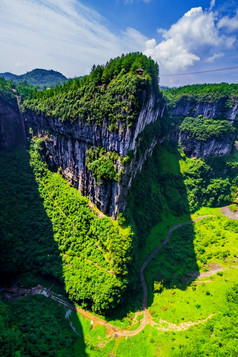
(66, 145)
(218, 110)
(214, 108)
(11, 125)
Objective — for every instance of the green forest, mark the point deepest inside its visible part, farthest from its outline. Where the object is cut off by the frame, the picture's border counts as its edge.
(6, 93)
(37, 78)
(95, 252)
(204, 129)
(203, 93)
(112, 94)
(102, 164)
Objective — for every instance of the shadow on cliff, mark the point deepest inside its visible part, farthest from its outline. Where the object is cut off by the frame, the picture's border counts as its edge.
(158, 199)
(29, 254)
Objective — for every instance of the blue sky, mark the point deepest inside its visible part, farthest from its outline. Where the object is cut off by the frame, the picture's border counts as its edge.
(184, 37)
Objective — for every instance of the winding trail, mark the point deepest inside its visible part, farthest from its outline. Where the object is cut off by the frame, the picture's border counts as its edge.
(147, 318)
(116, 332)
(155, 251)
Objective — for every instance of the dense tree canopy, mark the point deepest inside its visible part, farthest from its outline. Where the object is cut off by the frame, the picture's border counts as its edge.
(204, 129)
(112, 93)
(203, 93)
(6, 93)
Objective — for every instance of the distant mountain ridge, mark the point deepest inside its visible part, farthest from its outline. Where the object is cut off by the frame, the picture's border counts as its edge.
(39, 78)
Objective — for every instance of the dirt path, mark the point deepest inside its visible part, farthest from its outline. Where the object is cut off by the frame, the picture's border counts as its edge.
(113, 331)
(228, 213)
(155, 251)
(169, 326)
(147, 319)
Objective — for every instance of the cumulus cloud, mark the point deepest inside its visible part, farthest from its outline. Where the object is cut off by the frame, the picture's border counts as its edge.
(229, 23)
(64, 35)
(188, 41)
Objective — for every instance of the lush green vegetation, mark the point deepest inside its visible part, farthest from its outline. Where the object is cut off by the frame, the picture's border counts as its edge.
(210, 302)
(177, 298)
(24, 90)
(215, 337)
(6, 93)
(48, 229)
(35, 326)
(95, 252)
(203, 93)
(23, 221)
(103, 164)
(158, 189)
(204, 129)
(38, 78)
(111, 94)
(210, 182)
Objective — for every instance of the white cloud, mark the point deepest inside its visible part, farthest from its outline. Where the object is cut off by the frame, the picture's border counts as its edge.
(61, 34)
(230, 23)
(188, 41)
(212, 4)
(215, 56)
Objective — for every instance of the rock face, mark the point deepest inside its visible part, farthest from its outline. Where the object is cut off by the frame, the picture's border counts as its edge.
(212, 147)
(67, 145)
(11, 126)
(217, 110)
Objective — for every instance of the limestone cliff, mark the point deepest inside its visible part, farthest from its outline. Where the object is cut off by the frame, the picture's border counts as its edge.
(186, 107)
(216, 102)
(67, 144)
(211, 147)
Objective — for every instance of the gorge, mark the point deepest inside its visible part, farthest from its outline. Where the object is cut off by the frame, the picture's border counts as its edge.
(114, 140)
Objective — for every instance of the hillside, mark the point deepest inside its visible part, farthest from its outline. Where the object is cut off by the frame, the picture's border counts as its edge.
(39, 78)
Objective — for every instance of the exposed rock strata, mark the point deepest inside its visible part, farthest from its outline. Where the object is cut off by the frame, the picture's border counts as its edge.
(218, 110)
(212, 147)
(67, 144)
